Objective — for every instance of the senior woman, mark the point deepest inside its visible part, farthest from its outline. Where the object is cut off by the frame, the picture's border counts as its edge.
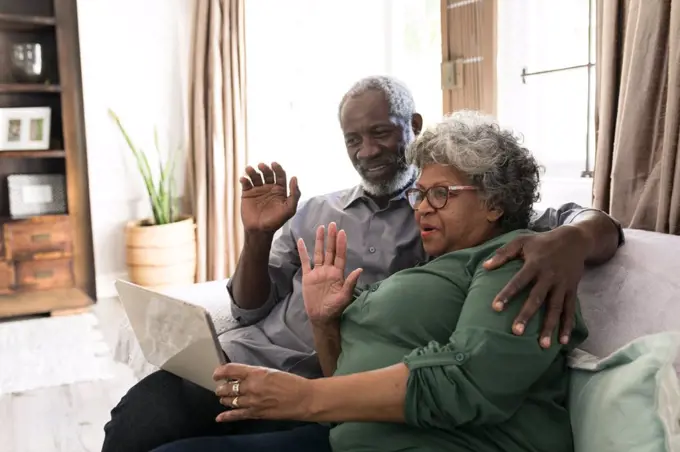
(418, 361)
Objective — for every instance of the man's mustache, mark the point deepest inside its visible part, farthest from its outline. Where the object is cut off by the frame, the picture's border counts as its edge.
(390, 159)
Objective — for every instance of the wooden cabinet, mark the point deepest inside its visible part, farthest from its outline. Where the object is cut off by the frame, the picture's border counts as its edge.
(44, 275)
(44, 237)
(38, 254)
(6, 278)
(46, 262)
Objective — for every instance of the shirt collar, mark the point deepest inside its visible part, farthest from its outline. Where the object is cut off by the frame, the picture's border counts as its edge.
(358, 193)
(353, 195)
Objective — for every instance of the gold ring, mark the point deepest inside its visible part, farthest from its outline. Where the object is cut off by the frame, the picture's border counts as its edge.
(234, 402)
(235, 388)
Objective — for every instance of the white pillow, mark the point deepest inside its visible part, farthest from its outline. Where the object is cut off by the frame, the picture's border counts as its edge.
(628, 401)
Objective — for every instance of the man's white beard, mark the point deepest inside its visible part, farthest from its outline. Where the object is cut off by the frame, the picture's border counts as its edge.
(398, 183)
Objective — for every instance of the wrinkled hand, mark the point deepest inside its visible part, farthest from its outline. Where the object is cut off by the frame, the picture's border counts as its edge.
(554, 261)
(266, 203)
(325, 290)
(261, 393)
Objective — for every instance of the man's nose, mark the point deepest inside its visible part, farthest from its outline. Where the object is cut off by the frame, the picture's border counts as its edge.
(369, 149)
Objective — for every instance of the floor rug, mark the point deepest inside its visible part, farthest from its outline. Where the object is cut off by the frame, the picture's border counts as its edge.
(52, 351)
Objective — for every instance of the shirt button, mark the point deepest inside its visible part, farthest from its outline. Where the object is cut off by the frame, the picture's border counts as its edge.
(371, 249)
(460, 357)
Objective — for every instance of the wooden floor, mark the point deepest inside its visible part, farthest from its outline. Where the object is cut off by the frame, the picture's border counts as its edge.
(66, 418)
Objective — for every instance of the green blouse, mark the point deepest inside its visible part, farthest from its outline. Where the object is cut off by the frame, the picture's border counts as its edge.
(473, 385)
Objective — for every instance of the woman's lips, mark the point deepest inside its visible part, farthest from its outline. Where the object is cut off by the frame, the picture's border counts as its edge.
(424, 233)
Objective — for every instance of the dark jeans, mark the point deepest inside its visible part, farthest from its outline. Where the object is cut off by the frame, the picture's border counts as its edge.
(163, 408)
(309, 438)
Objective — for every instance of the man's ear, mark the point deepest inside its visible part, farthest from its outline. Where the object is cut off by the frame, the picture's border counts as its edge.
(416, 123)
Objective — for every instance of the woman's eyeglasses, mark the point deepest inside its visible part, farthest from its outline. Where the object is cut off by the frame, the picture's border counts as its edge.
(437, 196)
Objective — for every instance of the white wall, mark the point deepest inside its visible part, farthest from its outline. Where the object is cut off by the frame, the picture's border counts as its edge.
(135, 60)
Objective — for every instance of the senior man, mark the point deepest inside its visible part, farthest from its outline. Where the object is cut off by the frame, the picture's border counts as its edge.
(378, 120)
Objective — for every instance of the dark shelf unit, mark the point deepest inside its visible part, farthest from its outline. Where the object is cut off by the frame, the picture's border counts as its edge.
(54, 24)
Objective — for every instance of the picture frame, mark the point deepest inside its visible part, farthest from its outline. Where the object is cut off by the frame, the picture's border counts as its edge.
(25, 129)
(36, 194)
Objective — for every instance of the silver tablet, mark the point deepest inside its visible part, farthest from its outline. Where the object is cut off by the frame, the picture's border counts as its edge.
(174, 335)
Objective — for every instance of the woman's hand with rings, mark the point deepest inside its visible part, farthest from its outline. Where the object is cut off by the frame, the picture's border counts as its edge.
(235, 391)
(261, 393)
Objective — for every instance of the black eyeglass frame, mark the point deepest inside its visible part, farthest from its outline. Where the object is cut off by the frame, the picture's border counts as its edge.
(433, 201)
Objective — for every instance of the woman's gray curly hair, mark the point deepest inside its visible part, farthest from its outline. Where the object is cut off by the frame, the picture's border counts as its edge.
(493, 158)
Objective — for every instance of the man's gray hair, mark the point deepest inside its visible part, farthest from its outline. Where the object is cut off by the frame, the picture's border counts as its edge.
(399, 97)
(493, 158)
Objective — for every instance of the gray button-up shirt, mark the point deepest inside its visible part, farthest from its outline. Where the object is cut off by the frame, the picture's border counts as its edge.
(381, 241)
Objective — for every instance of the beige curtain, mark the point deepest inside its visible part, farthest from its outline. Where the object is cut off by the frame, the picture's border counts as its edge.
(637, 167)
(217, 153)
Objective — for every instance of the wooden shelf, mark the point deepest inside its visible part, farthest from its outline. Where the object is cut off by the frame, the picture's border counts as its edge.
(22, 22)
(44, 301)
(12, 88)
(49, 154)
(54, 25)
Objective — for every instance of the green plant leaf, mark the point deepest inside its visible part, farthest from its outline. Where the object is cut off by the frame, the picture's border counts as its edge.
(162, 191)
(160, 194)
(153, 193)
(169, 182)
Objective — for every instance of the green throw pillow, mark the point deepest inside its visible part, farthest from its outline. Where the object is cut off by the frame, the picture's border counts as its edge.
(628, 401)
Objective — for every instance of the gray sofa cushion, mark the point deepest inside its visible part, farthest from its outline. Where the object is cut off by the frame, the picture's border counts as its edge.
(636, 293)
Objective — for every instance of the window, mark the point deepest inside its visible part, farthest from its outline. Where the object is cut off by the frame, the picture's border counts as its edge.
(552, 42)
(303, 55)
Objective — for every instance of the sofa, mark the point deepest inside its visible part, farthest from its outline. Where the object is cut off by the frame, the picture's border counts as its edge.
(635, 294)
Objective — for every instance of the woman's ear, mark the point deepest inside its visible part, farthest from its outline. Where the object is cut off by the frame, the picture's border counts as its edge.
(494, 214)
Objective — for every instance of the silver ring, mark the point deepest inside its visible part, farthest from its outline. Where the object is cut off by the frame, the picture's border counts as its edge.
(234, 402)
(235, 388)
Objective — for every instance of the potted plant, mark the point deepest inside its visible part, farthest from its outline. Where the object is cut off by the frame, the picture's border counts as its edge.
(161, 250)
